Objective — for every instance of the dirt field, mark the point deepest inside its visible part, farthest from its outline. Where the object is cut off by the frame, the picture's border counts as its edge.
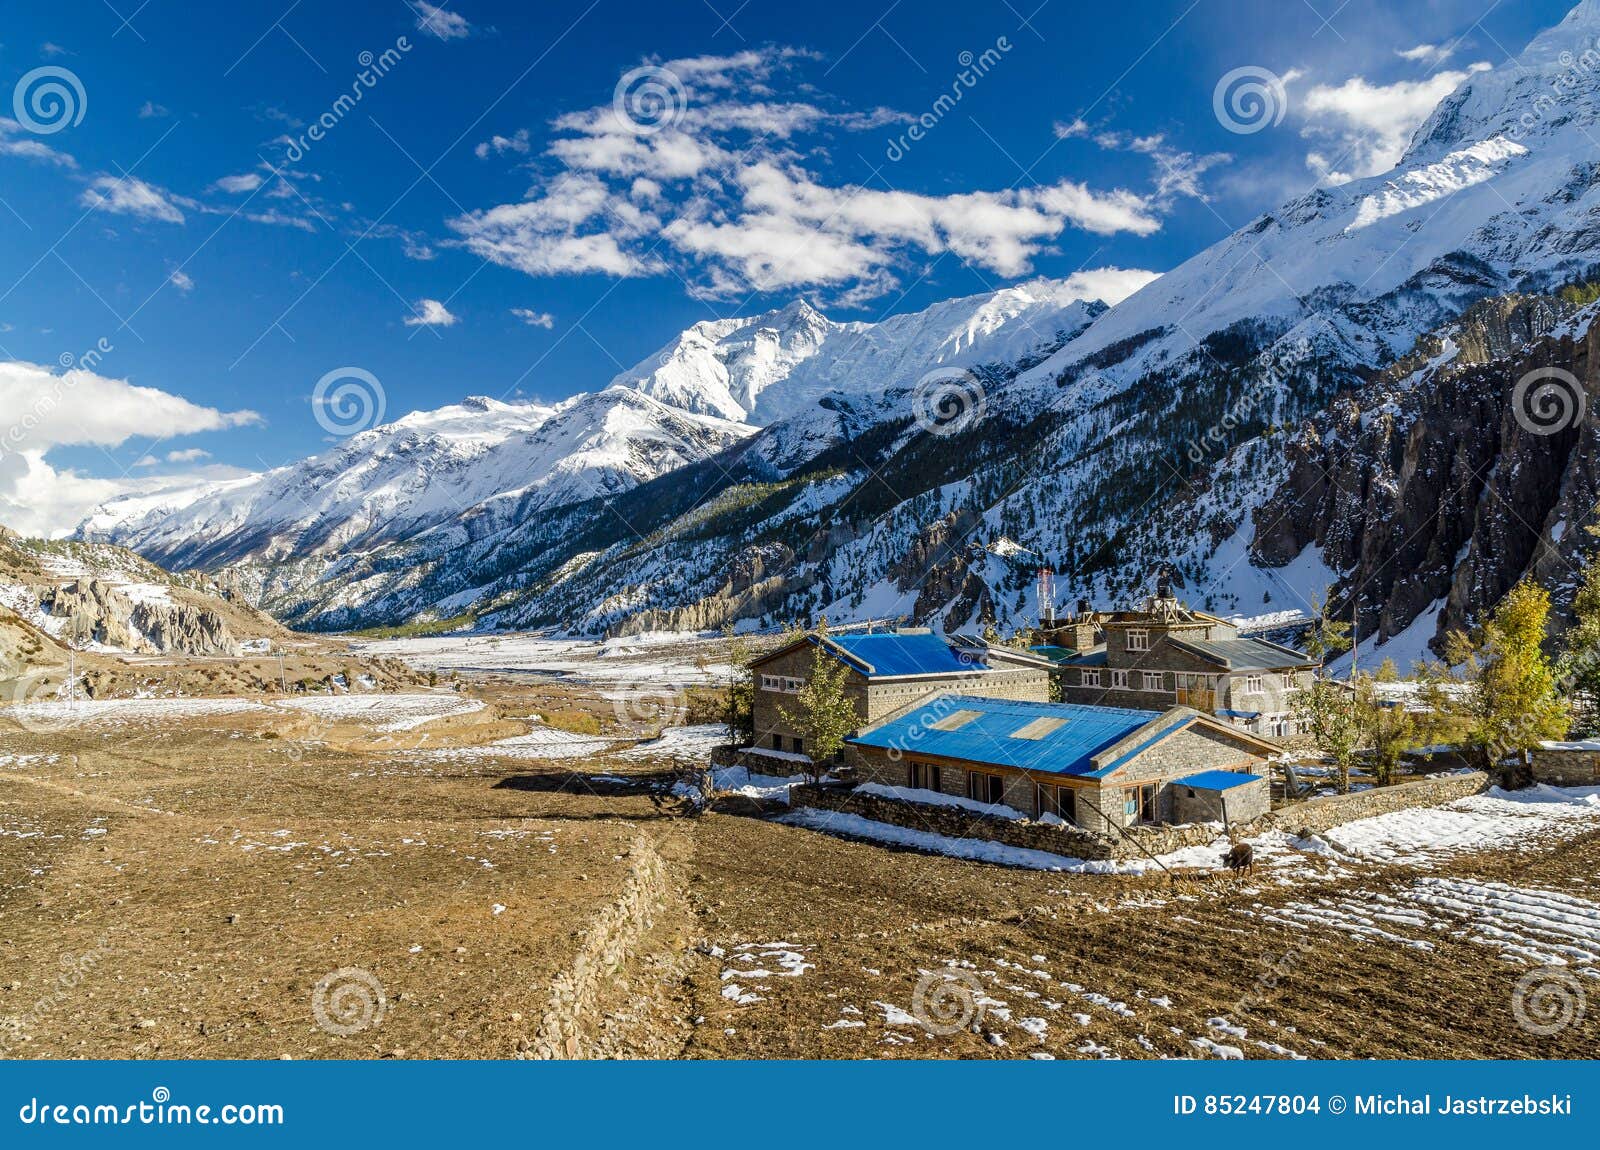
(225, 882)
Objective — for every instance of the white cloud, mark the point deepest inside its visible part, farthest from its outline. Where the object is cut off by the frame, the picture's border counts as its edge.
(130, 196)
(152, 111)
(180, 280)
(707, 173)
(535, 318)
(44, 410)
(1428, 53)
(16, 141)
(500, 145)
(431, 313)
(244, 182)
(1369, 125)
(1109, 285)
(440, 22)
(188, 455)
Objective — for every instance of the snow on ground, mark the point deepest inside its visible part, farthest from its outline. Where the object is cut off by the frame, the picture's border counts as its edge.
(759, 962)
(1525, 924)
(384, 712)
(657, 661)
(694, 742)
(740, 781)
(539, 743)
(978, 850)
(1494, 819)
(940, 799)
(62, 713)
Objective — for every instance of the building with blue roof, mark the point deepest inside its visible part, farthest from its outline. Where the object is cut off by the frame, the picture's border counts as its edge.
(889, 671)
(1104, 769)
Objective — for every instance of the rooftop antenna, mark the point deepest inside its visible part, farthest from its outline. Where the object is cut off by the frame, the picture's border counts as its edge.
(1047, 598)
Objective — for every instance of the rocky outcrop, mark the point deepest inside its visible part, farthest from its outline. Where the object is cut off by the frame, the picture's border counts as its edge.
(1452, 476)
(95, 611)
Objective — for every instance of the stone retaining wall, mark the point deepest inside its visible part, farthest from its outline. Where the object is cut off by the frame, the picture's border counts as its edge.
(1566, 768)
(1318, 815)
(1310, 817)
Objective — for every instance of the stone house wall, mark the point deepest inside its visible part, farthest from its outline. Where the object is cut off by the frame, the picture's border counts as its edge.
(1311, 817)
(1242, 804)
(1566, 768)
(876, 699)
(1100, 801)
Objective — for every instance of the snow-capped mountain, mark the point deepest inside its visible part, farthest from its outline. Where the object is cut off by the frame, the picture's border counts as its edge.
(1105, 445)
(778, 365)
(393, 482)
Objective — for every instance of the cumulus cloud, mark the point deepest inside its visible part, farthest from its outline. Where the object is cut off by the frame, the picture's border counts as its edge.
(431, 313)
(1427, 53)
(180, 280)
(1109, 285)
(1367, 126)
(188, 455)
(535, 318)
(43, 410)
(701, 166)
(439, 21)
(131, 196)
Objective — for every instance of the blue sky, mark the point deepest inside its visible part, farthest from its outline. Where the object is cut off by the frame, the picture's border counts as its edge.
(492, 217)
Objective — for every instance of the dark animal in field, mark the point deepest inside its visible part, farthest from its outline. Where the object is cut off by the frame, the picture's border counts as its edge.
(1241, 857)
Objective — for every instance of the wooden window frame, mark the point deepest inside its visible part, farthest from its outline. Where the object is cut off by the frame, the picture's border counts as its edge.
(1089, 677)
(996, 787)
(1119, 680)
(1143, 639)
(921, 776)
(1159, 676)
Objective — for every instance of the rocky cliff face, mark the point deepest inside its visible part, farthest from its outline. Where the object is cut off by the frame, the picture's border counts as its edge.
(93, 611)
(1472, 463)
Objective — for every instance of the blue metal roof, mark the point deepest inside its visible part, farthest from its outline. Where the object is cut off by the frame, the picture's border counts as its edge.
(989, 737)
(1219, 780)
(891, 653)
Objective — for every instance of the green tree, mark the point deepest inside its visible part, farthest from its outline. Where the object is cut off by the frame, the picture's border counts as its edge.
(1387, 729)
(741, 687)
(1506, 689)
(1387, 672)
(826, 713)
(1328, 635)
(1578, 665)
(1327, 712)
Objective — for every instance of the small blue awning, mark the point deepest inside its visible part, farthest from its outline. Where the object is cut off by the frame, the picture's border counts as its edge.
(1220, 780)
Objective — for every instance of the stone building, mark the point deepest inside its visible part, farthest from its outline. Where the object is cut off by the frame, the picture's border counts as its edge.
(889, 671)
(1099, 768)
(1168, 655)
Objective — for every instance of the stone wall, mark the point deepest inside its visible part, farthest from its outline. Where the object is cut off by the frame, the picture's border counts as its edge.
(1317, 815)
(1311, 817)
(1566, 767)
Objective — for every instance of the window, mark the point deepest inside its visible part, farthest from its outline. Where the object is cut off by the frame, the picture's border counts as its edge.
(777, 742)
(1138, 639)
(953, 721)
(1090, 677)
(799, 745)
(984, 787)
(1038, 728)
(1154, 680)
(1139, 804)
(782, 683)
(1059, 801)
(1119, 679)
(1288, 681)
(1252, 684)
(924, 777)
